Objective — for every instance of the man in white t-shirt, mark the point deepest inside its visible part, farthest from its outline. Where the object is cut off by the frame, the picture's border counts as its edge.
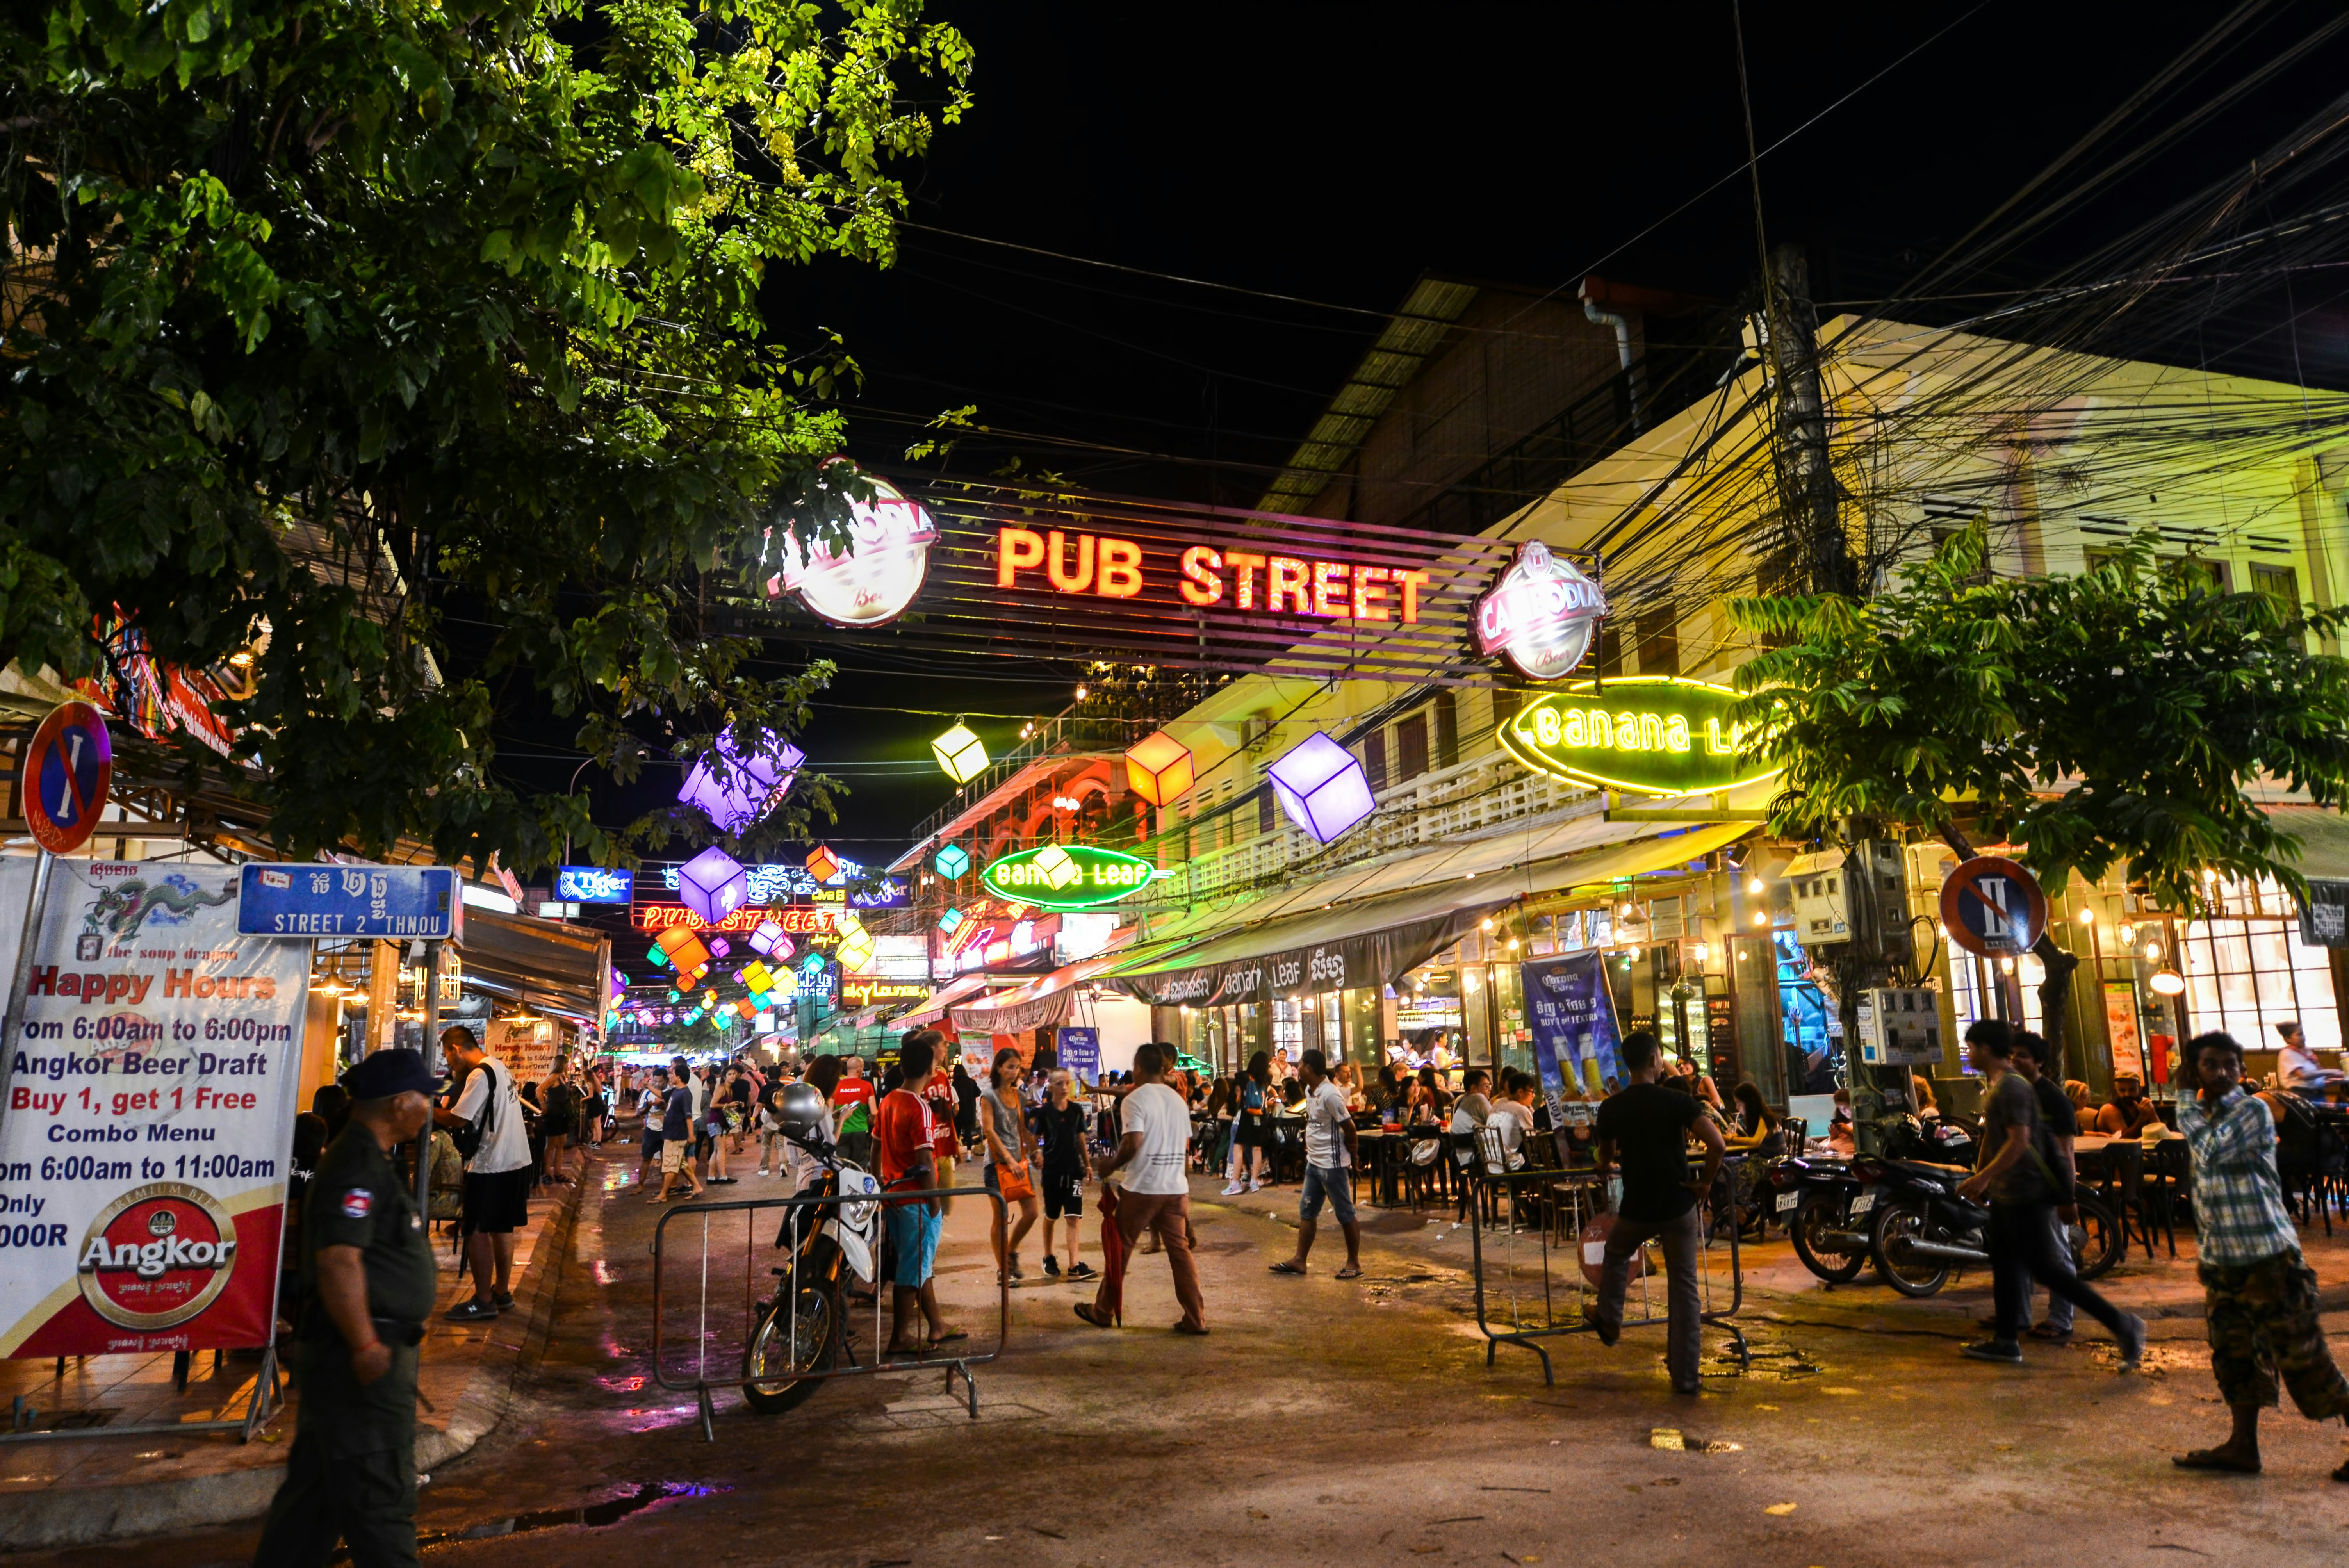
(1330, 1158)
(497, 1177)
(1151, 1164)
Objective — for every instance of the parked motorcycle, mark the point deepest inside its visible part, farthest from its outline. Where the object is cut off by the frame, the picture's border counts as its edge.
(1923, 1231)
(1815, 1197)
(803, 1328)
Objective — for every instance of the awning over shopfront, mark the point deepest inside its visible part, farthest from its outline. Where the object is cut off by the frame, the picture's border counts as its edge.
(2323, 835)
(1330, 945)
(932, 1011)
(1041, 1004)
(539, 963)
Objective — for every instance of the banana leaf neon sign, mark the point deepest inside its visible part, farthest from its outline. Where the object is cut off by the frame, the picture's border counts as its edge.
(1067, 876)
(1655, 733)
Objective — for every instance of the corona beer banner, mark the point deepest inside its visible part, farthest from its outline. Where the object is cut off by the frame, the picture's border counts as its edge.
(144, 1141)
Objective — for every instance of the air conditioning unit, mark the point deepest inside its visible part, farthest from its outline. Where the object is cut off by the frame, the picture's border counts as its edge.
(1824, 900)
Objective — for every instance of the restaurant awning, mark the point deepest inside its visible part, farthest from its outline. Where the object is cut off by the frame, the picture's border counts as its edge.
(539, 963)
(1373, 941)
(1041, 1004)
(946, 997)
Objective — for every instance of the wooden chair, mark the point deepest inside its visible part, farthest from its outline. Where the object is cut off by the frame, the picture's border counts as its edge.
(2124, 1193)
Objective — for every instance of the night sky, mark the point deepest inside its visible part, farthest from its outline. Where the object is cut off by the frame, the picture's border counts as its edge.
(1333, 154)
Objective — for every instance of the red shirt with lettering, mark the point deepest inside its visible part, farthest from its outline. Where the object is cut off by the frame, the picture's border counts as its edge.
(850, 1091)
(904, 1131)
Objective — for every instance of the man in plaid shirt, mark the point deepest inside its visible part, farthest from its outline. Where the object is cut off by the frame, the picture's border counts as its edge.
(2262, 1297)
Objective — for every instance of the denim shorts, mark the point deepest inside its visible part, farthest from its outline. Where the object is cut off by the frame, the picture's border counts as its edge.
(1328, 1183)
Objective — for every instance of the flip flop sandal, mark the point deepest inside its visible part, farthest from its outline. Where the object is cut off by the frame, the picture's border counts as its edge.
(952, 1336)
(2212, 1460)
(1349, 1272)
(1285, 1267)
(1094, 1314)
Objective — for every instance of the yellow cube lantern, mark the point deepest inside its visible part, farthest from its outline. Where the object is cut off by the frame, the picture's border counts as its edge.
(1160, 770)
(856, 949)
(960, 753)
(758, 976)
(822, 865)
(1058, 866)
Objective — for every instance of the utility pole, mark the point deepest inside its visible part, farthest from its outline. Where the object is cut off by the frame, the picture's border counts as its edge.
(1813, 543)
(1813, 534)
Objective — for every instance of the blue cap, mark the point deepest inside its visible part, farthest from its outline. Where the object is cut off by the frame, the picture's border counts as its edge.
(387, 1073)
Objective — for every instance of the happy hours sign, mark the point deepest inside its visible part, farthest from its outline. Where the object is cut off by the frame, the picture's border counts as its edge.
(149, 1110)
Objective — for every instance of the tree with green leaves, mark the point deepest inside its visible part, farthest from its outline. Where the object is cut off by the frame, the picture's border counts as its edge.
(417, 350)
(2114, 718)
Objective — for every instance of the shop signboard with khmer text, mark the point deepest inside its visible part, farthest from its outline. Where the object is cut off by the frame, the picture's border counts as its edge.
(149, 1107)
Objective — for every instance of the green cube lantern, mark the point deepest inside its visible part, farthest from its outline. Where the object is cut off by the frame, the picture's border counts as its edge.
(960, 753)
(952, 861)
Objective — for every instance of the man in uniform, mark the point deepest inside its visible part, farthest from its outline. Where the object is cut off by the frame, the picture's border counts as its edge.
(368, 1281)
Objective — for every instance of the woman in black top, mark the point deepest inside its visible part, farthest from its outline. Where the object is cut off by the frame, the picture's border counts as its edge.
(965, 1093)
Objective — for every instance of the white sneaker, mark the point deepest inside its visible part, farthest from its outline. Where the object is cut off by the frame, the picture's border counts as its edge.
(1234, 1190)
(1255, 1186)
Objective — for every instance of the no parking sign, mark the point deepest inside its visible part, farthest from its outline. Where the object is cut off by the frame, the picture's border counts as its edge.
(1994, 907)
(68, 769)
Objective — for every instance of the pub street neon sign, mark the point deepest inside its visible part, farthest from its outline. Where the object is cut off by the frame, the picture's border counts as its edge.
(1655, 733)
(1267, 584)
(1067, 876)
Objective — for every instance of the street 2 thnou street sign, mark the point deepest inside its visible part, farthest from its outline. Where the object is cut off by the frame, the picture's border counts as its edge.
(315, 899)
(1994, 907)
(68, 771)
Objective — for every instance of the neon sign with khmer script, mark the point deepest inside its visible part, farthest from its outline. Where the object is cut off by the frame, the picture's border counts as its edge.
(1655, 733)
(1068, 876)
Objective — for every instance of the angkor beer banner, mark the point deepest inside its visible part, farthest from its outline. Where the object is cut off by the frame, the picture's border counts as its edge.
(1577, 1044)
(149, 1113)
(1367, 959)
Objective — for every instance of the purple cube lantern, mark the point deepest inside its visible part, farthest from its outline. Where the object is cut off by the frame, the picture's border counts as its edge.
(1321, 787)
(713, 885)
(746, 788)
(720, 946)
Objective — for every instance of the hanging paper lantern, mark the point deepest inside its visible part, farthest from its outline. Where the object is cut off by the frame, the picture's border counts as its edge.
(713, 885)
(822, 865)
(675, 995)
(949, 920)
(952, 861)
(1321, 787)
(811, 965)
(619, 983)
(757, 975)
(767, 938)
(746, 788)
(720, 946)
(960, 753)
(856, 949)
(747, 1008)
(656, 958)
(1059, 867)
(1160, 770)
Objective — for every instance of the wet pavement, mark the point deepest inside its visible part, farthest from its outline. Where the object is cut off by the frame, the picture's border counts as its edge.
(1343, 1422)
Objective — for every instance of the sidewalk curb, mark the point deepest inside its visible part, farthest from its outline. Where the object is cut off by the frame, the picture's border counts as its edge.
(87, 1516)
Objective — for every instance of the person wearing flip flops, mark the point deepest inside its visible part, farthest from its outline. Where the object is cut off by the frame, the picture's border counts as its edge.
(1330, 1158)
(2260, 1295)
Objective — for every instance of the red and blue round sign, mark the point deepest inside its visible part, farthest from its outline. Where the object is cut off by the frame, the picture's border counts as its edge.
(1994, 907)
(68, 771)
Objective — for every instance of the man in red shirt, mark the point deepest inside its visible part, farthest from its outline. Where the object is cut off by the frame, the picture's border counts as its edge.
(906, 1136)
(940, 1094)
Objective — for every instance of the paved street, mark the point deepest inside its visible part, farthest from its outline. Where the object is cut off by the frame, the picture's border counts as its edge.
(1326, 1422)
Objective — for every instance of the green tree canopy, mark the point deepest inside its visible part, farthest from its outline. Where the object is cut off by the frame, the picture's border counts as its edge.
(2114, 718)
(322, 318)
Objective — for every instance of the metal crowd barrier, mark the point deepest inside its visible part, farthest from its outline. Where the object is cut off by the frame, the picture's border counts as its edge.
(758, 1248)
(1536, 1307)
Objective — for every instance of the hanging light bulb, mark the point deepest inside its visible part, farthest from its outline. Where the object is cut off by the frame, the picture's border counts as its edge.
(1753, 886)
(2168, 982)
(2128, 932)
(2153, 953)
(1761, 917)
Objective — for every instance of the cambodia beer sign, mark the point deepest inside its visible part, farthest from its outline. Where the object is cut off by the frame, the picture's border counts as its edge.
(1658, 735)
(149, 1107)
(1067, 876)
